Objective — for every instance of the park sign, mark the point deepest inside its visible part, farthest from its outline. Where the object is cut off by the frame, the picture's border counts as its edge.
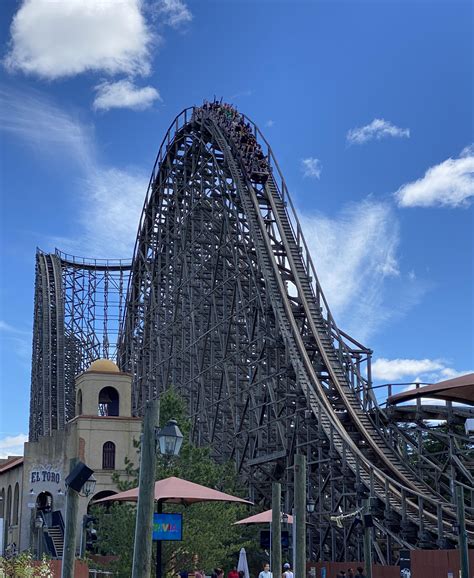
(167, 527)
(45, 474)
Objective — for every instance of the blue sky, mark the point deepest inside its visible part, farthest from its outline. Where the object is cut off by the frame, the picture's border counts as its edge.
(367, 105)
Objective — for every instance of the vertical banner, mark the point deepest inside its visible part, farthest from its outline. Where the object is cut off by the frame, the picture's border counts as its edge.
(405, 564)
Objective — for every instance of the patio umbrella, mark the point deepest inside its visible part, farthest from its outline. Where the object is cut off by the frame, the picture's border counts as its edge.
(243, 565)
(177, 491)
(459, 389)
(263, 518)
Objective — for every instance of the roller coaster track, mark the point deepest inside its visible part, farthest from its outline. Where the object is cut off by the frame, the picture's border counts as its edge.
(72, 327)
(326, 362)
(224, 303)
(308, 378)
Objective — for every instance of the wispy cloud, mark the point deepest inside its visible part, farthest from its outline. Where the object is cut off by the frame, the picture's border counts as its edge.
(270, 123)
(112, 197)
(449, 184)
(174, 12)
(7, 328)
(311, 167)
(18, 340)
(57, 39)
(355, 255)
(124, 94)
(12, 445)
(109, 220)
(241, 93)
(376, 130)
(45, 127)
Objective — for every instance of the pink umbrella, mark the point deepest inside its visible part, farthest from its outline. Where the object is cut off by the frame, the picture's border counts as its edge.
(262, 518)
(177, 491)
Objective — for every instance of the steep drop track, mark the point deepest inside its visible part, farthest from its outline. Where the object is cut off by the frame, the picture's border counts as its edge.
(225, 305)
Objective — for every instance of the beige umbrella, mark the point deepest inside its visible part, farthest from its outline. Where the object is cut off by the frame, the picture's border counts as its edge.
(177, 491)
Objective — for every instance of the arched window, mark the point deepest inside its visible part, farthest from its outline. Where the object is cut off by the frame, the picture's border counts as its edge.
(8, 517)
(2, 504)
(108, 456)
(16, 504)
(108, 402)
(79, 403)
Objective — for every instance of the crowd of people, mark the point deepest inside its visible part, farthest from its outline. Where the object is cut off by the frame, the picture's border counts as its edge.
(266, 573)
(234, 123)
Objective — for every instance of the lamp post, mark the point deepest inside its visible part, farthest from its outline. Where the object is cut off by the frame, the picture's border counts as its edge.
(79, 481)
(168, 440)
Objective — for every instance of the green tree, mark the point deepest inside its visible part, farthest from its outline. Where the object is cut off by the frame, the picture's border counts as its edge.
(210, 538)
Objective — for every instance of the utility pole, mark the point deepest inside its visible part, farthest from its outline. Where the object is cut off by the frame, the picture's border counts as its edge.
(275, 550)
(69, 548)
(300, 511)
(144, 522)
(463, 553)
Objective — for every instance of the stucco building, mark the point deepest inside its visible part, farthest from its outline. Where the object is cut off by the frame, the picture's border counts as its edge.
(102, 435)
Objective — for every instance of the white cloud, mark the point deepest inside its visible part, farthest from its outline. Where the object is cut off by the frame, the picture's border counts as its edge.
(111, 197)
(57, 39)
(12, 445)
(46, 128)
(270, 123)
(450, 373)
(110, 218)
(449, 184)
(311, 167)
(376, 130)
(396, 369)
(175, 12)
(124, 94)
(414, 371)
(355, 255)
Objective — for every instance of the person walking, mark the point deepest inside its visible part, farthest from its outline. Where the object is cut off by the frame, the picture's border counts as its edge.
(265, 573)
(233, 573)
(287, 573)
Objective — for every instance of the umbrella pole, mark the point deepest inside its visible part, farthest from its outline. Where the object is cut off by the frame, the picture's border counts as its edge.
(159, 510)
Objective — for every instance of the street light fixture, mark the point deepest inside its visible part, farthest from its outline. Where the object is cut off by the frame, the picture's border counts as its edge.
(89, 487)
(169, 438)
(310, 505)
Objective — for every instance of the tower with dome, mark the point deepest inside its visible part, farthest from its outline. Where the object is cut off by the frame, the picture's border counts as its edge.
(102, 434)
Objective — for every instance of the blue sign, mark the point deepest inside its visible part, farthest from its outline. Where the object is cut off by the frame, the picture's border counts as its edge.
(167, 527)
